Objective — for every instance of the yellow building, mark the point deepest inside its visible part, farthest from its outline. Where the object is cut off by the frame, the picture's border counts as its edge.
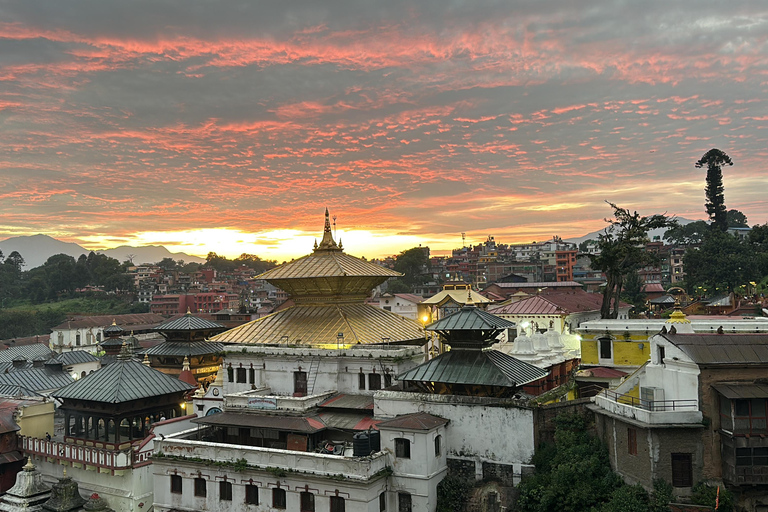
(625, 343)
(33, 415)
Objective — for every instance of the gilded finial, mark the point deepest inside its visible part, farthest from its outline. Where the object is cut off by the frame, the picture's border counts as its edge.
(188, 311)
(327, 243)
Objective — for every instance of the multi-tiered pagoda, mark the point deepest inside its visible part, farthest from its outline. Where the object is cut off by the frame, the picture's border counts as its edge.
(328, 289)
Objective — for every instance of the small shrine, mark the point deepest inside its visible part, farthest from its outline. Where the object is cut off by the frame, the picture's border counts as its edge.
(65, 496)
(118, 403)
(470, 367)
(28, 494)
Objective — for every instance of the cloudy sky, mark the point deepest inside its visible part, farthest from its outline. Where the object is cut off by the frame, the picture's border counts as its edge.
(230, 125)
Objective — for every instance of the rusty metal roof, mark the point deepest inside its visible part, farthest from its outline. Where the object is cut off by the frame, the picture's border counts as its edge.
(413, 421)
(259, 420)
(344, 401)
(745, 390)
(474, 367)
(320, 324)
(723, 349)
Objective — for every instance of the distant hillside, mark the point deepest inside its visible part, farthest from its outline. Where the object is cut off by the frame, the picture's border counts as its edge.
(36, 249)
(149, 254)
(653, 233)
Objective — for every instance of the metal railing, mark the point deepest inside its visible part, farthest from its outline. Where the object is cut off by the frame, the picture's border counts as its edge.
(650, 405)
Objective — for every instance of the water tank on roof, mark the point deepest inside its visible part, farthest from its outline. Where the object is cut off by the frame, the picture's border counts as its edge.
(375, 438)
(361, 444)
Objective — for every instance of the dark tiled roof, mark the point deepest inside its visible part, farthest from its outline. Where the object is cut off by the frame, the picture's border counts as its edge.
(122, 381)
(189, 322)
(473, 367)
(413, 421)
(554, 302)
(113, 329)
(257, 420)
(723, 349)
(181, 348)
(37, 379)
(470, 318)
(136, 321)
(540, 284)
(28, 352)
(76, 357)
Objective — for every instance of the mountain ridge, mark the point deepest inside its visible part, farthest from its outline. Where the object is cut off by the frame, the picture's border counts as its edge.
(36, 249)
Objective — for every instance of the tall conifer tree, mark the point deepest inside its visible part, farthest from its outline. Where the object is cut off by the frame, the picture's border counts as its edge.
(714, 159)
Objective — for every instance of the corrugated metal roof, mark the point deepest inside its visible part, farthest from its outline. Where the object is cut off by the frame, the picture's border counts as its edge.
(745, 390)
(76, 357)
(348, 420)
(180, 348)
(470, 318)
(413, 421)
(319, 324)
(16, 391)
(258, 420)
(29, 352)
(327, 264)
(122, 381)
(725, 349)
(473, 367)
(539, 284)
(344, 401)
(188, 322)
(37, 379)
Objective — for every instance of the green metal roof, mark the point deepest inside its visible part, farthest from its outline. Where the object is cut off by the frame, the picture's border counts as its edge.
(474, 367)
(180, 348)
(470, 318)
(123, 381)
(189, 322)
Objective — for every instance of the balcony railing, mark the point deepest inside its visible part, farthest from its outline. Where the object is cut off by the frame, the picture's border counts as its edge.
(651, 405)
(653, 412)
(88, 455)
(354, 468)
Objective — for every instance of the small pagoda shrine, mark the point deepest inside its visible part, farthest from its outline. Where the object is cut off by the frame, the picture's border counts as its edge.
(113, 343)
(28, 494)
(117, 404)
(327, 308)
(65, 496)
(185, 339)
(470, 367)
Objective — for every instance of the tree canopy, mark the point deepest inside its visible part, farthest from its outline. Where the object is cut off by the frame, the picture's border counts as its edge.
(714, 159)
(622, 250)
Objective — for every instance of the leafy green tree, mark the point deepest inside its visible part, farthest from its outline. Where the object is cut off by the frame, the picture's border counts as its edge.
(687, 234)
(721, 262)
(714, 159)
(622, 250)
(633, 292)
(167, 264)
(412, 263)
(705, 494)
(629, 498)
(574, 476)
(736, 219)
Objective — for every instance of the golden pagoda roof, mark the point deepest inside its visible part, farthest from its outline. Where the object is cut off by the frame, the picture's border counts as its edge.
(459, 296)
(319, 325)
(328, 273)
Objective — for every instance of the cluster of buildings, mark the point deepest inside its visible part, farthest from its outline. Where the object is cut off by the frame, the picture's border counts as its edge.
(340, 402)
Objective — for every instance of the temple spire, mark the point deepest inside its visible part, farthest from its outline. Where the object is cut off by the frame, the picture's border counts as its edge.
(327, 243)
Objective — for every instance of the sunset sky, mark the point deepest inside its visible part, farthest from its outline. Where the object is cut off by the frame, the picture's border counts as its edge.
(229, 126)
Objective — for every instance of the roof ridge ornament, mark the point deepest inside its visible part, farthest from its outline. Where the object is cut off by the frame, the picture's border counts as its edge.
(327, 243)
